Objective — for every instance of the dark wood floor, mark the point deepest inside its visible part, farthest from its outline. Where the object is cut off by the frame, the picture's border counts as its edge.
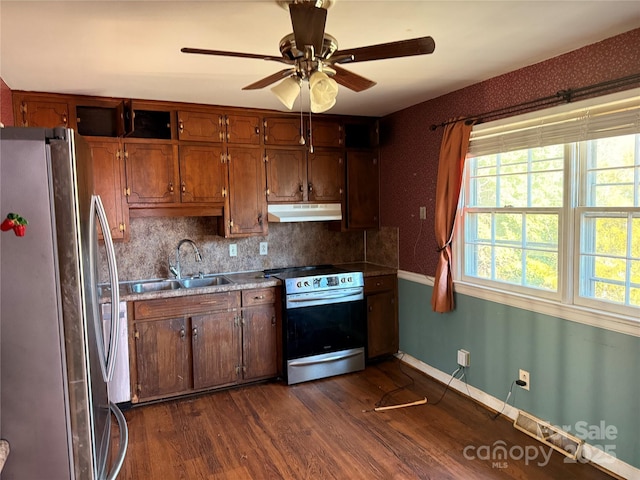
(326, 430)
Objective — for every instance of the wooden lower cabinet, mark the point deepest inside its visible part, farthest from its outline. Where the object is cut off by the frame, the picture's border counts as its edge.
(161, 358)
(216, 342)
(187, 344)
(381, 293)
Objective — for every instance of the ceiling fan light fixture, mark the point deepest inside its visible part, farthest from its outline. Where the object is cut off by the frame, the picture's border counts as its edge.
(323, 91)
(287, 91)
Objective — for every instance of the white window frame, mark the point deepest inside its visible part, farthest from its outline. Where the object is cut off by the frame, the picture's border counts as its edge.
(563, 304)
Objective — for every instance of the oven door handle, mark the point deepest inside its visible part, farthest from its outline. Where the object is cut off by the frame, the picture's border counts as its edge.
(327, 297)
(303, 363)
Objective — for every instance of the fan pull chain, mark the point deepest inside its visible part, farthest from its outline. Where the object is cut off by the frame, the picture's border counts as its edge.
(301, 141)
(310, 128)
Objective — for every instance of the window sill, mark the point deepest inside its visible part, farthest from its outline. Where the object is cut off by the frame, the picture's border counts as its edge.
(586, 316)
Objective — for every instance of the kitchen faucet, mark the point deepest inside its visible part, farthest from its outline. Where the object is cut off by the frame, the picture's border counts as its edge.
(175, 269)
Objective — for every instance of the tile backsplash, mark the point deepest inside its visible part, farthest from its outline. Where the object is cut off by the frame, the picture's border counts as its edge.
(154, 240)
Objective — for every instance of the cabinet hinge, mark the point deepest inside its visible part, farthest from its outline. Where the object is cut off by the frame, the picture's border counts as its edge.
(127, 191)
(224, 192)
(237, 369)
(265, 159)
(231, 223)
(122, 227)
(138, 388)
(223, 157)
(136, 334)
(267, 192)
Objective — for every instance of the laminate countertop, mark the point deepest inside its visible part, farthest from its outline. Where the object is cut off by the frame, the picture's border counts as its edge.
(239, 281)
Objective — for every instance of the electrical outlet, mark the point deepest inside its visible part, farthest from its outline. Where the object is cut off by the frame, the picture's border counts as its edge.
(464, 358)
(264, 248)
(233, 250)
(524, 376)
(423, 213)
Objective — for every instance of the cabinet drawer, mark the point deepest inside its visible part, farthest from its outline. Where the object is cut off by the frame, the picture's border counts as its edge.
(259, 296)
(380, 283)
(182, 306)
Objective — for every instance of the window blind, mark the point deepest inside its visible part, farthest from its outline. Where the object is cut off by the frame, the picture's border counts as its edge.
(607, 116)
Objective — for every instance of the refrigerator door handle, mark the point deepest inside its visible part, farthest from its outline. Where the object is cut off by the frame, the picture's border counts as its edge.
(124, 441)
(108, 358)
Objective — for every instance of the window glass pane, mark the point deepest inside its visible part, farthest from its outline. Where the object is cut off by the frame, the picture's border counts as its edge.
(542, 230)
(508, 265)
(508, 228)
(609, 292)
(635, 237)
(610, 236)
(612, 172)
(547, 189)
(542, 270)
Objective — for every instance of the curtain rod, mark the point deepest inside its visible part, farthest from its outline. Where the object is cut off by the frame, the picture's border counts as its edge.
(562, 96)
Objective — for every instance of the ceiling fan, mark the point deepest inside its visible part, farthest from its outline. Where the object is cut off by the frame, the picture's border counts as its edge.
(312, 55)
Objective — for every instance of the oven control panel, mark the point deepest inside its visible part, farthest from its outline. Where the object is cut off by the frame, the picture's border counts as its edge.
(315, 283)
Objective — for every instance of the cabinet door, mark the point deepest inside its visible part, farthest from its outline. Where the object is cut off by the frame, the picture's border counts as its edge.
(363, 195)
(162, 358)
(283, 131)
(152, 173)
(259, 331)
(326, 133)
(203, 174)
(200, 126)
(382, 324)
(247, 185)
(216, 348)
(108, 180)
(286, 175)
(325, 176)
(42, 113)
(243, 129)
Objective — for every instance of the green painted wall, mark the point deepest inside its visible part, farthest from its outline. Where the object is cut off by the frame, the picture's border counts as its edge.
(578, 373)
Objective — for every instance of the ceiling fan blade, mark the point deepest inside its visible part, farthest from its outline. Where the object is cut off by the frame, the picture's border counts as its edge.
(402, 48)
(270, 79)
(308, 23)
(222, 53)
(351, 80)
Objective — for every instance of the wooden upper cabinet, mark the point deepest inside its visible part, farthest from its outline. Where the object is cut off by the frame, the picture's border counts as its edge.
(286, 175)
(363, 195)
(200, 126)
(109, 181)
(203, 174)
(282, 131)
(242, 129)
(247, 212)
(41, 112)
(152, 173)
(325, 176)
(325, 133)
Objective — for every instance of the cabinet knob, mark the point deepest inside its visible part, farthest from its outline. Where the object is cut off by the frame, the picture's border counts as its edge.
(257, 130)
(181, 126)
(170, 187)
(195, 332)
(184, 187)
(259, 297)
(301, 188)
(182, 333)
(310, 187)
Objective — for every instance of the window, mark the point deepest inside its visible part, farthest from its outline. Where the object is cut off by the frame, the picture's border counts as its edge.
(550, 206)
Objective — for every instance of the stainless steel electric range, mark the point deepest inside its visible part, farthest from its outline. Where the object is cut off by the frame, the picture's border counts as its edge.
(324, 321)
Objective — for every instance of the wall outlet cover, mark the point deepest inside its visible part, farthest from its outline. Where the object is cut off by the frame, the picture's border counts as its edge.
(233, 250)
(464, 358)
(264, 248)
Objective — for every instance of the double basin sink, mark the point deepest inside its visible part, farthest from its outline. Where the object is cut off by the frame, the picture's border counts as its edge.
(145, 286)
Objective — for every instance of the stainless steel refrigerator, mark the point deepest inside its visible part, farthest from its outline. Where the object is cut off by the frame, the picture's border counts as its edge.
(55, 358)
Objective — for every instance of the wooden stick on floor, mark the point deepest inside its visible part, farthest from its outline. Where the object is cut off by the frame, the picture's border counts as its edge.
(402, 405)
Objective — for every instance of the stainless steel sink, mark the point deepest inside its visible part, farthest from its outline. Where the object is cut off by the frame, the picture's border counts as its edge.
(154, 286)
(205, 282)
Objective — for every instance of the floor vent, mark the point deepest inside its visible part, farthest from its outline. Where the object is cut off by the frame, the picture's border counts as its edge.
(548, 434)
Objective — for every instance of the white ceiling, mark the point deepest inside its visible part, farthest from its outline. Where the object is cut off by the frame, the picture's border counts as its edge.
(131, 49)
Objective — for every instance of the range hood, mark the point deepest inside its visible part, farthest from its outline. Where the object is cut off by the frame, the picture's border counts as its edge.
(304, 212)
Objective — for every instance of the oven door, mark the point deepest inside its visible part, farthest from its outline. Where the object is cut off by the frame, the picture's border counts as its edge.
(314, 325)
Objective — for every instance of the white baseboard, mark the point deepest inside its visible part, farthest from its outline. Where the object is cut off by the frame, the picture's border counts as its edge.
(595, 455)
